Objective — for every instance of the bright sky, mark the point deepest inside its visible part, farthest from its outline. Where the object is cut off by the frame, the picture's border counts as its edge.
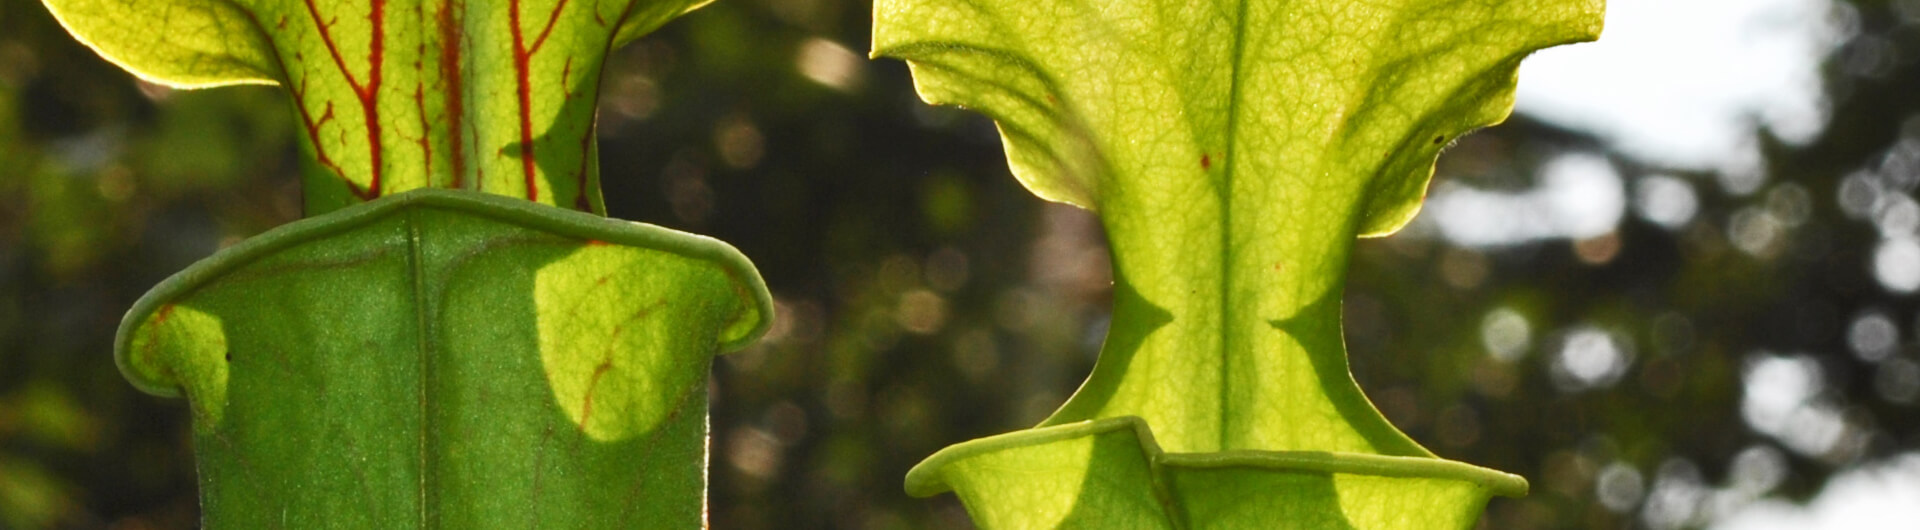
(1677, 84)
(1884, 495)
(1680, 83)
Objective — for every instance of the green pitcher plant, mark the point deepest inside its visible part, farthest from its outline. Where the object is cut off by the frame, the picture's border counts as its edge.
(1233, 150)
(455, 336)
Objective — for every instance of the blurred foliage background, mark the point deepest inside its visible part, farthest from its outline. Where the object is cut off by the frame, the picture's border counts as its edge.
(1722, 343)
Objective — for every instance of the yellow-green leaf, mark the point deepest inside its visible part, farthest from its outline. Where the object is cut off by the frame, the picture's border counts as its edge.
(394, 95)
(1233, 150)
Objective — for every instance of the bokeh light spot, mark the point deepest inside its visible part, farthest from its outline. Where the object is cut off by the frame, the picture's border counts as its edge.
(1898, 380)
(1784, 400)
(830, 64)
(1755, 231)
(1666, 201)
(1506, 334)
(1619, 487)
(1676, 497)
(1897, 264)
(1589, 358)
(921, 311)
(1757, 470)
(1873, 336)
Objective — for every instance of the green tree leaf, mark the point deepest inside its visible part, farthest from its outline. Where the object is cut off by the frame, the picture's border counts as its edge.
(448, 359)
(1233, 151)
(395, 95)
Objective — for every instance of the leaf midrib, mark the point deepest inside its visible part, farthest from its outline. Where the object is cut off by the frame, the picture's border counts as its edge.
(423, 353)
(1225, 191)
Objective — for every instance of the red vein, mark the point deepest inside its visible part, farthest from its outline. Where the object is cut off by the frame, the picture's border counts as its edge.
(583, 201)
(521, 59)
(606, 357)
(586, 405)
(544, 32)
(420, 97)
(479, 171)
(580, 200)
(300, 103)
(539, 470)
(426, 134)
(368, 103)
(153, 335)
(313, 133)
(456, 107)
(326, 38)
(366, 93)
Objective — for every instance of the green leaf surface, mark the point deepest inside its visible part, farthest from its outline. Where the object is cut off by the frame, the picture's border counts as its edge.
(1233, 150)
(449, 359)
(395, 95)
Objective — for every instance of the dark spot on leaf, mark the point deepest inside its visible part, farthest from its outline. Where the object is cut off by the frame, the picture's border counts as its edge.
(229, 356)
(1437, 139)
(1206, 162)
